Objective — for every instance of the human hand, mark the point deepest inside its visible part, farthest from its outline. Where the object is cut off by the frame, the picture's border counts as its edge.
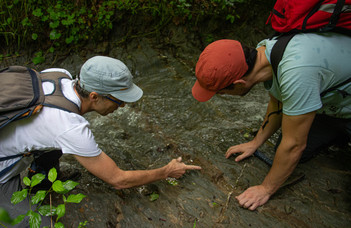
(253, 197)
(246, 150)
(176, 168)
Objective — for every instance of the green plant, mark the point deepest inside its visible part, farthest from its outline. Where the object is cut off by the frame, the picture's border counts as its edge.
(38, 57)
(45, 210)
(154, 196)
(62, 24)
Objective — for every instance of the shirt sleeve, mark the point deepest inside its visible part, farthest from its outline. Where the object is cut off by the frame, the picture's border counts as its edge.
(300, 90)
(79, 140)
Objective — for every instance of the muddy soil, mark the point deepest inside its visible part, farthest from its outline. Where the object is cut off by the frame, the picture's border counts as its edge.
(167, 122)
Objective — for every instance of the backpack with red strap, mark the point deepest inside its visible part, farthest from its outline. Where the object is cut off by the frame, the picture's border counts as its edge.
(293, 16)
(311, 16)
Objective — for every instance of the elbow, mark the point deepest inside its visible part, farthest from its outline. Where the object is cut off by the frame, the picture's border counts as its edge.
(297, 151)
(121, 182)
(118, 187)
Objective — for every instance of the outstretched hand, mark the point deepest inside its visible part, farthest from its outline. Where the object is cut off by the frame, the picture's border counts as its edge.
(245, 149)
(176, 168)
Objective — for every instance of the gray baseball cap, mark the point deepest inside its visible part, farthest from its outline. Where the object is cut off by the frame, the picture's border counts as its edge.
(106, 75)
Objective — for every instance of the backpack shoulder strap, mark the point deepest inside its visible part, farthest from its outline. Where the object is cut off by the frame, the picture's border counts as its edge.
(57, 99)
(337, 86)
(278, 50)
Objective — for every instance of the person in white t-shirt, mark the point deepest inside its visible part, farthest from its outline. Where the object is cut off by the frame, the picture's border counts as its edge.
(104, 85)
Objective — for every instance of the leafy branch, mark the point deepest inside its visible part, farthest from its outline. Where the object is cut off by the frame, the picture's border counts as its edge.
(44, 210)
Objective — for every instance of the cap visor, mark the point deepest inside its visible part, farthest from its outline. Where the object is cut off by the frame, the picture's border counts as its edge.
(130, 95)
(201, 94)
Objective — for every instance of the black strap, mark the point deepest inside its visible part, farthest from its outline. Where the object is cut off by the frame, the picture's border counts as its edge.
(4, 171)
(335, 87)
(313, 11)
(10, 157)
(335, 16)
(278, 50)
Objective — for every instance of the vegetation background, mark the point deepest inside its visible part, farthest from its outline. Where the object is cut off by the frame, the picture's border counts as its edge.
(46, 26)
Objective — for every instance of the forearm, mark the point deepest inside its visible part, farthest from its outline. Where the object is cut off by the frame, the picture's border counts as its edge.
(271, 123)
(294, 139)
(133, 178)
(285, 161)
(106, 169)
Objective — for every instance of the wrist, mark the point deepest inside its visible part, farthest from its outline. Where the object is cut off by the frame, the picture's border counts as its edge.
(270, 188)
(165, 171)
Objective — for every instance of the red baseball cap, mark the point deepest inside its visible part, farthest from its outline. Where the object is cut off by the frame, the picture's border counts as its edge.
(219, 65)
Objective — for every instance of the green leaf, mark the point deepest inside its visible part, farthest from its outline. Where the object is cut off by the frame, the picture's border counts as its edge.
(38, 59)
(75, 198)
(172, 181)
(25, 21)
(69, 39)
(4, 216)
(44, 18)
(34, 36)
(60, 211)
(57, 186)
(37, 179)
(52, 175)
(19, 196)
(34, 219)
(59, 225)
(69, 185)
(47, 210)
(54, 35)
(154, 196)
(54, 24)
(83, 224)
(37, 12)
(39, 196)
(18, 219)
(26, 181)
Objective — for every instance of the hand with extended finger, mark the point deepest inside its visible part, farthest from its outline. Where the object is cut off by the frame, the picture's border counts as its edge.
(245, 149)
(176, 168)
(253, 197)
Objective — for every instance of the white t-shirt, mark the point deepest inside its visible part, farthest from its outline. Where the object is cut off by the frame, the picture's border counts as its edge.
(50, 129)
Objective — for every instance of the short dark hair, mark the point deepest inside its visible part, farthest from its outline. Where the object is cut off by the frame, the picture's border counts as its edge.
(250, 56)
(81, 92)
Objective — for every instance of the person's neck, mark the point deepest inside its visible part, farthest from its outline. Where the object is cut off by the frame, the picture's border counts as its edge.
(84, 107)
(262, 71)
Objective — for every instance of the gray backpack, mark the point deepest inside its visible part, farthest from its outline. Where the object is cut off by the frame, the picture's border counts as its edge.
(21, 93)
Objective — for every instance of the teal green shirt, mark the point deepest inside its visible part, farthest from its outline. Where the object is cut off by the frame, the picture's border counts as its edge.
(311, 64)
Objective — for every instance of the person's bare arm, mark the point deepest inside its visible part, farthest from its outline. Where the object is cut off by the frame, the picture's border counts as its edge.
(106, 169)
(295, 132)
(271, 124)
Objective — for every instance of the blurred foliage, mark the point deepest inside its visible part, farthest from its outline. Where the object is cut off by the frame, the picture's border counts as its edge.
(52, 25)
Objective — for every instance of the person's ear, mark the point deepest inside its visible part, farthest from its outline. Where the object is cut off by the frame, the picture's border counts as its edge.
(94, 96)
(239, 81)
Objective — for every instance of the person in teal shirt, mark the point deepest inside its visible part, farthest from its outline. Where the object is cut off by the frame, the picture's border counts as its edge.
(312, 63)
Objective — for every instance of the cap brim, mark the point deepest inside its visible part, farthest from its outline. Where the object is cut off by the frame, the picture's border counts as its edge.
(132, 94)
(201, 94)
